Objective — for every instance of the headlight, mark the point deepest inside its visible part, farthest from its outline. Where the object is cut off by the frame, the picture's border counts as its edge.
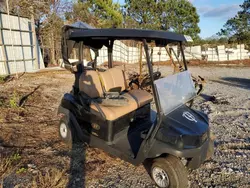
(184, 141)
(176, 141)
(194, 141)
(179, 143)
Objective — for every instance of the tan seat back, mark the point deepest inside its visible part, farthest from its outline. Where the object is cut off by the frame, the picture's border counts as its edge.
(113, 78)
(90, 84)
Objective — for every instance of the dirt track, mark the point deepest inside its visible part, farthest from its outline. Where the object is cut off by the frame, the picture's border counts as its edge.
(31, 132)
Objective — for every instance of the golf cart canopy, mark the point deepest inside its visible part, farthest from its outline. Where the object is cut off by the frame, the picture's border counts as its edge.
(97, 38)
(124, 34)
(80, 31)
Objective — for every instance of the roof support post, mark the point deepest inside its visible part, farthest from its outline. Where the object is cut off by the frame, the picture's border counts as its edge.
(140, 61)
(110, 50)
(183, 56)
(152, 132)
(80, 65)
(79, 68)
(94, 65)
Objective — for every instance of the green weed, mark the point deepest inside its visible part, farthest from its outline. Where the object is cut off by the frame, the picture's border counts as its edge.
(2, 79)
(13, 101)
(15, 157)
(21, 170)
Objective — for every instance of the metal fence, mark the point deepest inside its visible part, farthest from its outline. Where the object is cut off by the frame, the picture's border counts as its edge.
(19, 49)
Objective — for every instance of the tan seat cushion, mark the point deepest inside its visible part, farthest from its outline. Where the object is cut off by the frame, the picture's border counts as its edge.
(113, 78)
(136, 99)
(141, 97)
(90, 84)
(114, 112)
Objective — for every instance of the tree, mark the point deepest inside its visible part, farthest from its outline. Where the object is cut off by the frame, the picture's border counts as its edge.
(181, 17)
(129, 22)
(174, 15)
(145, 13)
(81, 12)
(109, 13)
(238, 27)
(99, 13)
(50, 36)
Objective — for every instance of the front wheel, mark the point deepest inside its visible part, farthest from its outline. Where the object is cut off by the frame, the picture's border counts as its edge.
(169, 172)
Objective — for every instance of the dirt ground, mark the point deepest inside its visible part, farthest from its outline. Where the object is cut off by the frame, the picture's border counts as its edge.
(32, 155)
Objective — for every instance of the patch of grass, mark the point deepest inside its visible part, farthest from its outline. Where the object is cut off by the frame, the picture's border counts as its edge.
(17, 111)
(8, 165)
(2, 79)
(13, 101)
(5, 167)
(15, 157)
(54, 178)
(21, 170)
(1, 102)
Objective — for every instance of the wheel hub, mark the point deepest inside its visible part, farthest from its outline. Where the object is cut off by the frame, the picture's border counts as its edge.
(63, 130)
(160, 177)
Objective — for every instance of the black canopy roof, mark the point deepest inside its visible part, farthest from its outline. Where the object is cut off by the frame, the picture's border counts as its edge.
(86, 34)
(97, 38)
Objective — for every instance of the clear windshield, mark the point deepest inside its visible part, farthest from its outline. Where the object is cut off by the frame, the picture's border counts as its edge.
(175, 90)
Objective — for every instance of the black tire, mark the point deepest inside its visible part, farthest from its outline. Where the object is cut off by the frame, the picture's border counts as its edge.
(210, 150)
(174, 169)
(65, 131)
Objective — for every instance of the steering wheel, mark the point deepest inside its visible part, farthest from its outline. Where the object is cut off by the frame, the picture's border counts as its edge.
(146, 81)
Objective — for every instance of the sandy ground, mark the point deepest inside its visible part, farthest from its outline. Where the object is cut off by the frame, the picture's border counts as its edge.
(30, 146)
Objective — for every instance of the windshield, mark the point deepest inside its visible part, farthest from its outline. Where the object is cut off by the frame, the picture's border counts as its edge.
(175, 90)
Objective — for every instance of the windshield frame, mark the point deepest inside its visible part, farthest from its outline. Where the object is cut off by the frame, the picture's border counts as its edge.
(152, 133)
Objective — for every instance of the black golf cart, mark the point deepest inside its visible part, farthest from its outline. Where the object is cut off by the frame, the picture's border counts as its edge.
(133, 124)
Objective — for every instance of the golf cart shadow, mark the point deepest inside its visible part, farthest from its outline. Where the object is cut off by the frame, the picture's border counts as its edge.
(77, 165)
(78, 151)
(243, 83)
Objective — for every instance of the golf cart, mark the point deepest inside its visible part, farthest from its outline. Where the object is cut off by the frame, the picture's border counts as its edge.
(133, 124)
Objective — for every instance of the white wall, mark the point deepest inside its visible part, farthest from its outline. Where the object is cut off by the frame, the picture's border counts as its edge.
(123, 53)
(126, 54)
(18, 52)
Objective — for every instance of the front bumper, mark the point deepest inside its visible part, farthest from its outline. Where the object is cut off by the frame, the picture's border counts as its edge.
(205, 152)
(195, 156)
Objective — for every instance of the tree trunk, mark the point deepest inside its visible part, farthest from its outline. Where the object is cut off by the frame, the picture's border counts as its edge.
(52, 49)
(52, 56)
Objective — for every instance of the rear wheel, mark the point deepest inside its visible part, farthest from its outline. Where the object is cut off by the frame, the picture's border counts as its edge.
(169, 172)
(65, 131)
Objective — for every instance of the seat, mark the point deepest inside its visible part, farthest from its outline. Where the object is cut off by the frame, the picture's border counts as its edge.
(114, 78)
(141, 97)
(90, 84)
(114, 112)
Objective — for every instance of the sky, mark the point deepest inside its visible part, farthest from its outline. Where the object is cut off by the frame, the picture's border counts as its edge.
(213, 14)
